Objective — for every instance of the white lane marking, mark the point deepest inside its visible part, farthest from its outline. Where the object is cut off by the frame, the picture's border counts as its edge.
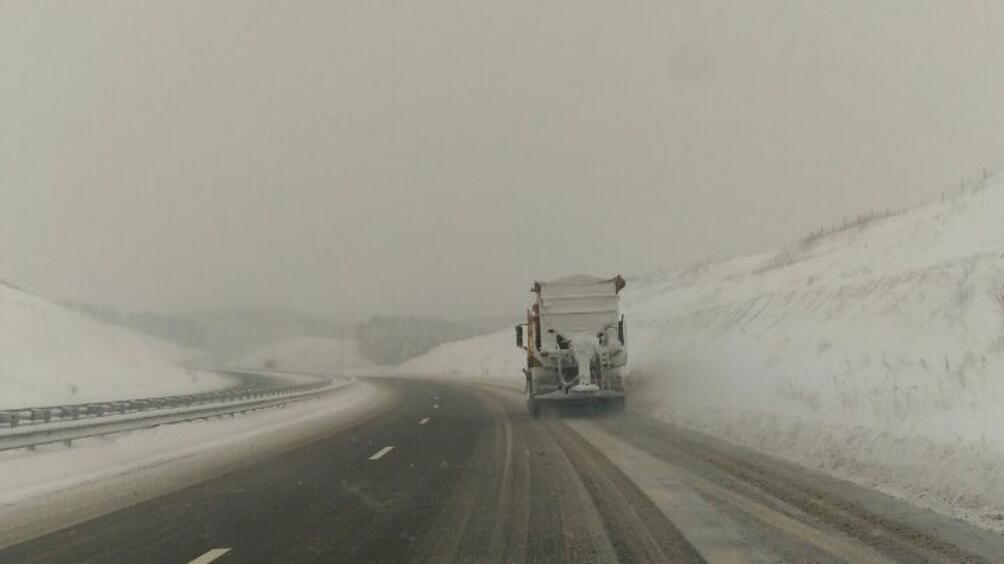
(210, 556)
(379, 454)
(436, 406)
(424, 421)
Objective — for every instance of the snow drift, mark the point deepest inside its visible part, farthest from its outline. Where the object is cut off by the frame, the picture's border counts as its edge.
(874, 352)
(51, 355)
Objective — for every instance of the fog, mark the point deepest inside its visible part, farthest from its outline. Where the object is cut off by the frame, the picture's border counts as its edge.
(353, 158)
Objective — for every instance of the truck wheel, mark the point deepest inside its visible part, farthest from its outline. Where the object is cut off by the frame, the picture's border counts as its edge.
(619, 404)
(531, 402)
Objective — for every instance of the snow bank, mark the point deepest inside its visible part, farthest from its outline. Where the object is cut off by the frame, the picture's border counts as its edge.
(308, 355)
(51, 355)
(493, 358)
(875, 352)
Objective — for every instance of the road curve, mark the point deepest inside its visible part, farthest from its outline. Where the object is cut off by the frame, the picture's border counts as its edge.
(456, 473)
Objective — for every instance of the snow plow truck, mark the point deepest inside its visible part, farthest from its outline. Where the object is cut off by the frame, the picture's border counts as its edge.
(575, 343)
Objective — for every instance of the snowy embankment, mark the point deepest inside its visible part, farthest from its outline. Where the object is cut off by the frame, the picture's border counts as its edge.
(51, 355)
(491, 358)
(875, 352)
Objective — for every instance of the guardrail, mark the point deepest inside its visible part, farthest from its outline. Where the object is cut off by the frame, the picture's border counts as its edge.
(36, 426)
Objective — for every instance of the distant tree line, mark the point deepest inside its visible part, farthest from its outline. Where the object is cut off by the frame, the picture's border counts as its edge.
(392, 340)
(179, 330)
(384, 340)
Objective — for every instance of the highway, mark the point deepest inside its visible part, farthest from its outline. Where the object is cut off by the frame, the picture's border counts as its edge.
(449, 472)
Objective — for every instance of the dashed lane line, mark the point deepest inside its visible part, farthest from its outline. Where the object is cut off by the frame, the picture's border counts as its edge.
(379, 454)
(210, 556)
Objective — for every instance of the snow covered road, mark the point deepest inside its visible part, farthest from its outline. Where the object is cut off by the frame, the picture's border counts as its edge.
(57, 486)
(447, 472)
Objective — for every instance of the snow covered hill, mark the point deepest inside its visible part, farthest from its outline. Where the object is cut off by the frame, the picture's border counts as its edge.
(875, 352)
(51, 355)
(491, 357)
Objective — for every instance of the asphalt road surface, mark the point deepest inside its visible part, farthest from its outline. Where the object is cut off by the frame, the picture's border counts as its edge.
(458, 473)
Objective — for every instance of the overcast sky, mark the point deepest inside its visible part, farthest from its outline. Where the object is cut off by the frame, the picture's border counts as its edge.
(350, 158)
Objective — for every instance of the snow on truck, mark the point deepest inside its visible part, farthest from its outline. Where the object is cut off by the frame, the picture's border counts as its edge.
(574, 342)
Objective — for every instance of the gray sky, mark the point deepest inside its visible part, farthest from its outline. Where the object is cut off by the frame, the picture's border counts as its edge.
(433, 157)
